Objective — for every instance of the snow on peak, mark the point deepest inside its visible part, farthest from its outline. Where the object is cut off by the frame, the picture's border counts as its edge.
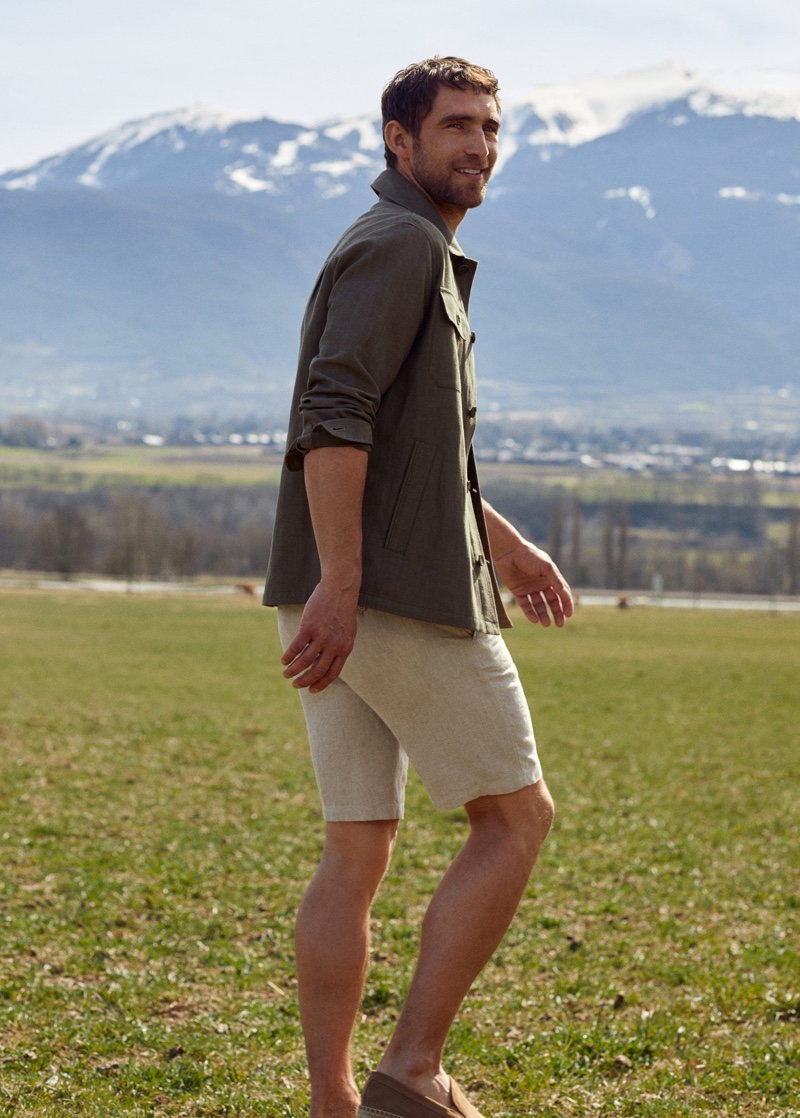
(638, 194)
(193, 118)
(174, 124)
(334, 151)
(286, 155)
(775, 103)
(577, 112)
(742, 194)
(367, 128)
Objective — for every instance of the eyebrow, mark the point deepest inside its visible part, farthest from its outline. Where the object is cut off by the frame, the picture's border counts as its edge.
(453, 117)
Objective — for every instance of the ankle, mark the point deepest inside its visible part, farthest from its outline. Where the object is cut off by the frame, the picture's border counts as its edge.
(338, 1104)
(421, 1074)
(409, 1066)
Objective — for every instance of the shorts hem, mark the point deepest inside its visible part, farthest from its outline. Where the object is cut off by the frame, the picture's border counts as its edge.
(501, 788)
(362, 814)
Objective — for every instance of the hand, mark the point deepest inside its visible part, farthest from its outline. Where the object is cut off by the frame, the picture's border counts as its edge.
(325, 639)
(536, 582)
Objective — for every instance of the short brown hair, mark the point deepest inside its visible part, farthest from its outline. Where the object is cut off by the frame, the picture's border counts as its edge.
(409, 96)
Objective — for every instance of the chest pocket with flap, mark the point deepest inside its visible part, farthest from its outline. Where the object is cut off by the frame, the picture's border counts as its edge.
(447, 367)
(455, 312)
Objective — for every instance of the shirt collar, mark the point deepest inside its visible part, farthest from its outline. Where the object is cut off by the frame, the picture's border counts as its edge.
(397, 188)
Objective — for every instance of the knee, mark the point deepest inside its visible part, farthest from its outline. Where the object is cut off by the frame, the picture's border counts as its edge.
(522, 819)
(359, 853)
(534, 817)
(544, 812)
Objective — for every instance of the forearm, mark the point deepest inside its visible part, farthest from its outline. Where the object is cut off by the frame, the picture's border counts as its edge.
(528, 572)
(503, 536)
(334, 478)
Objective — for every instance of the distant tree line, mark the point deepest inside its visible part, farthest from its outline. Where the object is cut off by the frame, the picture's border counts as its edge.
(734, 546)
(138, 532)
(23, 430)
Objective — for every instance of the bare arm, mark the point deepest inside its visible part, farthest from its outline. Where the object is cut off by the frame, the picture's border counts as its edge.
(334, 477)
(528, 572)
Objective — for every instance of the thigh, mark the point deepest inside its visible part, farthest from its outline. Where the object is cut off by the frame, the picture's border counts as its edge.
(358, 764)
(452, 699)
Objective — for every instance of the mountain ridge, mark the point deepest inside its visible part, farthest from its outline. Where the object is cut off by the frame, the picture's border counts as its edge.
(566, 114)
(640, 235)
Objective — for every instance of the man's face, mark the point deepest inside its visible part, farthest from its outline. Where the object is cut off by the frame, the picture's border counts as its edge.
(453, 156)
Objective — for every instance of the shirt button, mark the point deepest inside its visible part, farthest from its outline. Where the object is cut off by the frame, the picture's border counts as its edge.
(462, 269)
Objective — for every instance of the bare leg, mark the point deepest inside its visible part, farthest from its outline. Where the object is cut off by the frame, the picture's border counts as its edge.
(332, 949)
(466, 919)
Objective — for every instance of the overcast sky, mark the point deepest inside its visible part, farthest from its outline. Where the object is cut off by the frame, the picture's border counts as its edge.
(72, 68)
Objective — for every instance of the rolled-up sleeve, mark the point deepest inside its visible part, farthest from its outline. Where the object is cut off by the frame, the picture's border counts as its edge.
(378, 292)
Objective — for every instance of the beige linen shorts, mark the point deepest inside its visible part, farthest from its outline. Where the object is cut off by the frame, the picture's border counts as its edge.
(448, 699)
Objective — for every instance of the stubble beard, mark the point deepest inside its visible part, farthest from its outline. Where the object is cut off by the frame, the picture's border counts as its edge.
(443, 187)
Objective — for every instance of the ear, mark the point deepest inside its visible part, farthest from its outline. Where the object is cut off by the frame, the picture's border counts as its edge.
(397, 140)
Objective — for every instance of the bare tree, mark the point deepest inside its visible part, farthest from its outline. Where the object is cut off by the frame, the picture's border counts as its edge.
(14, 522)
(253, 543)
(609, 519)
(555, 541)
(140, 537)
(183, 552)
(575, 542)
(65, 541)
(793, 552)
(616, 530)
(23, 430)
(623, 526)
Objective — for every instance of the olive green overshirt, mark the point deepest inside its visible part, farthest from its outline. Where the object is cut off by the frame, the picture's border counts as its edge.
(386, 364)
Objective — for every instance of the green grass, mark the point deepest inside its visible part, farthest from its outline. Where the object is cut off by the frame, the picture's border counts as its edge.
(607, 483)
(109, 465)
(158, 820)
(72, 470)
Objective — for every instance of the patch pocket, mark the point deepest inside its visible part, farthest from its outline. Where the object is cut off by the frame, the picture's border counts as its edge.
(410, 496)
(455, 312)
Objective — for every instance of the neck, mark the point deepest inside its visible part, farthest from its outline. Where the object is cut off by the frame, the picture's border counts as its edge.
(451, 215)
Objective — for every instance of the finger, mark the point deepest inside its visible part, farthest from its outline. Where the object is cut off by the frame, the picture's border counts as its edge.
(567, 603)
(333, 673)
(566, 600)
(540, 605)
(316, 671)
(303, 660)
(560, 587)
(295, 648)
(524, 602)
(312, 670)
(556, 606)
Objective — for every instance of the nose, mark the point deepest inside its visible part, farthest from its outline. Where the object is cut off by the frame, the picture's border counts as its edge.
(477, 144)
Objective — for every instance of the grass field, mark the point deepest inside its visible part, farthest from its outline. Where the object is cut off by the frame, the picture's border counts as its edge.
(114, 465)
(74, 469)
(159, 819)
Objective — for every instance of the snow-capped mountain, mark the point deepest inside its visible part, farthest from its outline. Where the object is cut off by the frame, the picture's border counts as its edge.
(201, 148)
(641, 233)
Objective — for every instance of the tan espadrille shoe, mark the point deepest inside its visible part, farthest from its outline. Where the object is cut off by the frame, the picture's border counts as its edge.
(385, 1097)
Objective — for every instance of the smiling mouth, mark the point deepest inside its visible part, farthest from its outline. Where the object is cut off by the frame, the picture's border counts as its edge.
(473, 172)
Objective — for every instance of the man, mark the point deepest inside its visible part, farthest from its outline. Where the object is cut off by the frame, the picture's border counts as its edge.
(382, 566)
